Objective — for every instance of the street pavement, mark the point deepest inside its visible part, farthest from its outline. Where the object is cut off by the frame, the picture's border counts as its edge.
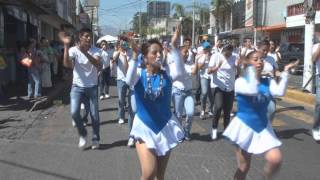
(43, 145)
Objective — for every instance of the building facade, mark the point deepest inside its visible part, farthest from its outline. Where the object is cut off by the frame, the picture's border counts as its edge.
(158, 9)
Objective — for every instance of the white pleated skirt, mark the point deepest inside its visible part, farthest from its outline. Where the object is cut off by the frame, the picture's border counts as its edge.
(249, 140)
(168, 138)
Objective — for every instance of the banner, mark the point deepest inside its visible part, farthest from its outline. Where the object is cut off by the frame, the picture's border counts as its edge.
(249, 13)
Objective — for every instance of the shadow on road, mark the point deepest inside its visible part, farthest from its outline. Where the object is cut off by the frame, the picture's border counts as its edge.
(290, 133)
(108, 109)
(37, 170)
(113, 145)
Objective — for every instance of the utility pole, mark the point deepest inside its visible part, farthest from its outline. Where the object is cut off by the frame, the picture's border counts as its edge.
(308, 43)
(193, 23)
(140, 31)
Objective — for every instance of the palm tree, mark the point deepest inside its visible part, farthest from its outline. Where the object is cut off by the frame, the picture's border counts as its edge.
(219, 7)
(179, 10)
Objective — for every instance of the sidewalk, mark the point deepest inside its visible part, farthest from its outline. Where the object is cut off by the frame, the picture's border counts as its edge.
(295, 92)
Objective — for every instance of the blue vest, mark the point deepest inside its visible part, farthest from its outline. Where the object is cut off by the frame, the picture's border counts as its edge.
(252, 110)
(154, 113)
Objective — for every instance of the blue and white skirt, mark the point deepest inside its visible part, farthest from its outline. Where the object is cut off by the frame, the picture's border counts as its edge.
(249, 140)
(168, 138)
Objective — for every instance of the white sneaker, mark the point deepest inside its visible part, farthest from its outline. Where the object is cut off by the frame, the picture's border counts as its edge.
(73, 123)
(316, 134)
(214, 134)
(107, 96)
(202, 115)
(121, 121)
(101, 97)
(82, 106)
(210, 114)
(82, 142)
(95, 144)
(130, 142)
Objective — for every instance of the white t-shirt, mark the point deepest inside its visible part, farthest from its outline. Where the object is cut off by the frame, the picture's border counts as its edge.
(105, 59)
(190, 57)
(245, 51)
(270, 65)
(202, 58)
(85, 74)
(185, 82)
(224, 77)
(314, 49)
(121, 71)
(274, 55)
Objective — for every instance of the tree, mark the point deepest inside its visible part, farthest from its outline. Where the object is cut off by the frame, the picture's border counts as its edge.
(179, 10)
(219, 6)
(144, 23)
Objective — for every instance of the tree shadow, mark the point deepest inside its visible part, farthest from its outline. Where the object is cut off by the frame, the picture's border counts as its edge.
(16, 104)
(41, 171)
(3, 121)
(113, 145)
(290, 133)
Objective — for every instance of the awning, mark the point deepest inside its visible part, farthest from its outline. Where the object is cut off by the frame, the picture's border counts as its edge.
(17, 12)
(278, 27)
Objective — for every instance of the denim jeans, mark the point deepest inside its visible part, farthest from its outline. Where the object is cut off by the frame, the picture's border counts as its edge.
(104, 81)
(206, 92)
(271, 109)
(317, 108)
(184, 101)
(132, 108)
(222, 101)
(77, 95)
(84, 114)
(123, 88)
(34, 79)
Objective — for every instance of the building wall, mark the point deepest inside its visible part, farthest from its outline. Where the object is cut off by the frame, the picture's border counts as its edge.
(275, 12)
(157, 9)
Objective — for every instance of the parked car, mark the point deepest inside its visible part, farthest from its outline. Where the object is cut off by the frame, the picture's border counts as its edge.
(291, 52)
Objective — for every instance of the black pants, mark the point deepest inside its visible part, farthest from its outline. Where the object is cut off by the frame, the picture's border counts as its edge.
(222, 101)
(104, 79)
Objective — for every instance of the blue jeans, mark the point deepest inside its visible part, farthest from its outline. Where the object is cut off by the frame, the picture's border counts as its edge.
(77, 95)
(317, 108)
(184, 101)
(271, 109)
(104, 81)
(132, 108)
(205, 92)
(123, 88)
(34, 79)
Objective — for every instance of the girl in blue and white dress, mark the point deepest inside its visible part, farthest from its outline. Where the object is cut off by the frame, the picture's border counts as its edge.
(251, 130)
(155, 129)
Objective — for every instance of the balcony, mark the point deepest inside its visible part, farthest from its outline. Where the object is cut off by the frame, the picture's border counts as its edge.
(298, 9)
(296, 15)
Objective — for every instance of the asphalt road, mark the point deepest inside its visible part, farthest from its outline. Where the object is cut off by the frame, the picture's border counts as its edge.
(43, 145)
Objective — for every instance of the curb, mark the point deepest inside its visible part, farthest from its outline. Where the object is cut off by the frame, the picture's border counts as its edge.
(298, 95)
(47, 101)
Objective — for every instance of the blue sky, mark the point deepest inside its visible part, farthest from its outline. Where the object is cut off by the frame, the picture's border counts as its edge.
(119, 18)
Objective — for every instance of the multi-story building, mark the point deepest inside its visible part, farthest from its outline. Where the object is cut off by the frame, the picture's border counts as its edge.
(162, 27)
(158, 9)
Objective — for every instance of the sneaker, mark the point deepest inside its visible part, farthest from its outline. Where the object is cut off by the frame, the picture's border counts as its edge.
(121, 121)
(187, 137)
(214, 134)
(130, 142)
(82, 142)
(107, 96)
(316, 134)
(101, 97)
(95, 144)
(210, 114)
(73, 123)
(85, 124)
(82, 106)
(202, 115)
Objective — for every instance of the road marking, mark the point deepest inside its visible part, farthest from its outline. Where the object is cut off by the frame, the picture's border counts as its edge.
(278, 123)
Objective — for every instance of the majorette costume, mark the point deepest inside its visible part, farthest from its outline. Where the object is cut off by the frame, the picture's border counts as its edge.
(250, 129)
(154, 124)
